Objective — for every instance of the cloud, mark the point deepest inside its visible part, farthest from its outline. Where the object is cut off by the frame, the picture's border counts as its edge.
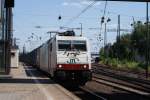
(85, 2)
(73, 4)
(76, 4)
(98, 4)
(79, 3)
(65, 3)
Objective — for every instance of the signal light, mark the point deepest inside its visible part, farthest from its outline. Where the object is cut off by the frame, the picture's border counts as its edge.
(108, 20)
(59, 18)
(102, 20)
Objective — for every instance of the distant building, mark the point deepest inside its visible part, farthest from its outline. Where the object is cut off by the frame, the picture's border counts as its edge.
(94, 56)
(14, 57)
(14, 54)
(5, 35)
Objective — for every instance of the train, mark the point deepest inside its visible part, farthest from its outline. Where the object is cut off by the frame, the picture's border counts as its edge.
(64, 57)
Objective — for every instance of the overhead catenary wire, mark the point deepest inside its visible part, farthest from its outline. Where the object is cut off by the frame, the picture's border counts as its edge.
(101, 10)
(78, 15)
(72, 19)
(85, 11)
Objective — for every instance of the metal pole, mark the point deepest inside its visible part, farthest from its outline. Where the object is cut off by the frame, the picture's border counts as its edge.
(81, 29)
(49, 34)
(119, 27)
(105, 40)
(118, 37)
(147, 28)
(8, 38)
(105, 34)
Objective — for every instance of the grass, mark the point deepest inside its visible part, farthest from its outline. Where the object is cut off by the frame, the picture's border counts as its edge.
(124, 64)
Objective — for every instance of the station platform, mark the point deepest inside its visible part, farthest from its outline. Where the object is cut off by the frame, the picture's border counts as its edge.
(5, 76)
(27, 83)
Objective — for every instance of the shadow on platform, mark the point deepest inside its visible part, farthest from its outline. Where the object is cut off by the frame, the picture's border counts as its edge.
(33, 76)
(27, 81)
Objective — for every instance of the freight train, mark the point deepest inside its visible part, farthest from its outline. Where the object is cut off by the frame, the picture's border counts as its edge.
(65, 57)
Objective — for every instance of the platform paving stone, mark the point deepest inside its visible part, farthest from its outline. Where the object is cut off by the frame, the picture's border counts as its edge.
(29, 84)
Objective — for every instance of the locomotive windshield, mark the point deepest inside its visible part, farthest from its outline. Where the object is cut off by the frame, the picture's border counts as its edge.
(69, 45)
(63, 45)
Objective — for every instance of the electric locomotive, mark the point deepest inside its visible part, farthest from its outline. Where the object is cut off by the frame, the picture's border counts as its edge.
(66, 57)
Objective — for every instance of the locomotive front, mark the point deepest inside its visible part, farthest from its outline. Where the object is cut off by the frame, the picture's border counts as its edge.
(73, 59)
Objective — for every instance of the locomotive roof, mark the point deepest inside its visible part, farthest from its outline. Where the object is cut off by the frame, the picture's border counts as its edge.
(61, 37)
(70, 38)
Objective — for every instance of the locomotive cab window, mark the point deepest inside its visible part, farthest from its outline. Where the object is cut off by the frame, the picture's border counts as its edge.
(79, 45)
(64, 45)
(71, 45)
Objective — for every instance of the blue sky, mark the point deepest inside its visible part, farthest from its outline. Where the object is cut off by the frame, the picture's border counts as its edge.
(31, 13)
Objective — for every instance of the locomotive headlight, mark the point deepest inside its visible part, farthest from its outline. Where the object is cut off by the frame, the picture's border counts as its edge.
(60, 66)
(84, 66)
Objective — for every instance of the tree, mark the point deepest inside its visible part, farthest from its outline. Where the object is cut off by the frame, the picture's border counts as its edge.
(130, 45)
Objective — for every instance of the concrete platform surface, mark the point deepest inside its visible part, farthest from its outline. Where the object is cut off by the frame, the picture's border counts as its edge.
(27, 83)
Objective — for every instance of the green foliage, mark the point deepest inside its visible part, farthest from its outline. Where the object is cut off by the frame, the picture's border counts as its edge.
(123, 64)
(129, 45)
(123, 53)
(101, 53)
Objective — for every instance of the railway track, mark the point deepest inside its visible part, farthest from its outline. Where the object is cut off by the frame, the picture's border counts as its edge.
(121, 75)
(132, 88)
(125, 80)
(93, 93)
(122, 87)
(132, 73)
(84, 93)
(88, 93)
(133, 85)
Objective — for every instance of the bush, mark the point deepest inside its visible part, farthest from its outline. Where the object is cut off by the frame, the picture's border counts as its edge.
(114, 62)
(132, 65)
(123, 64)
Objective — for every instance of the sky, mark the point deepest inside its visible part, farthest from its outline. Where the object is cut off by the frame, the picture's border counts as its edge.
(28, 14)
